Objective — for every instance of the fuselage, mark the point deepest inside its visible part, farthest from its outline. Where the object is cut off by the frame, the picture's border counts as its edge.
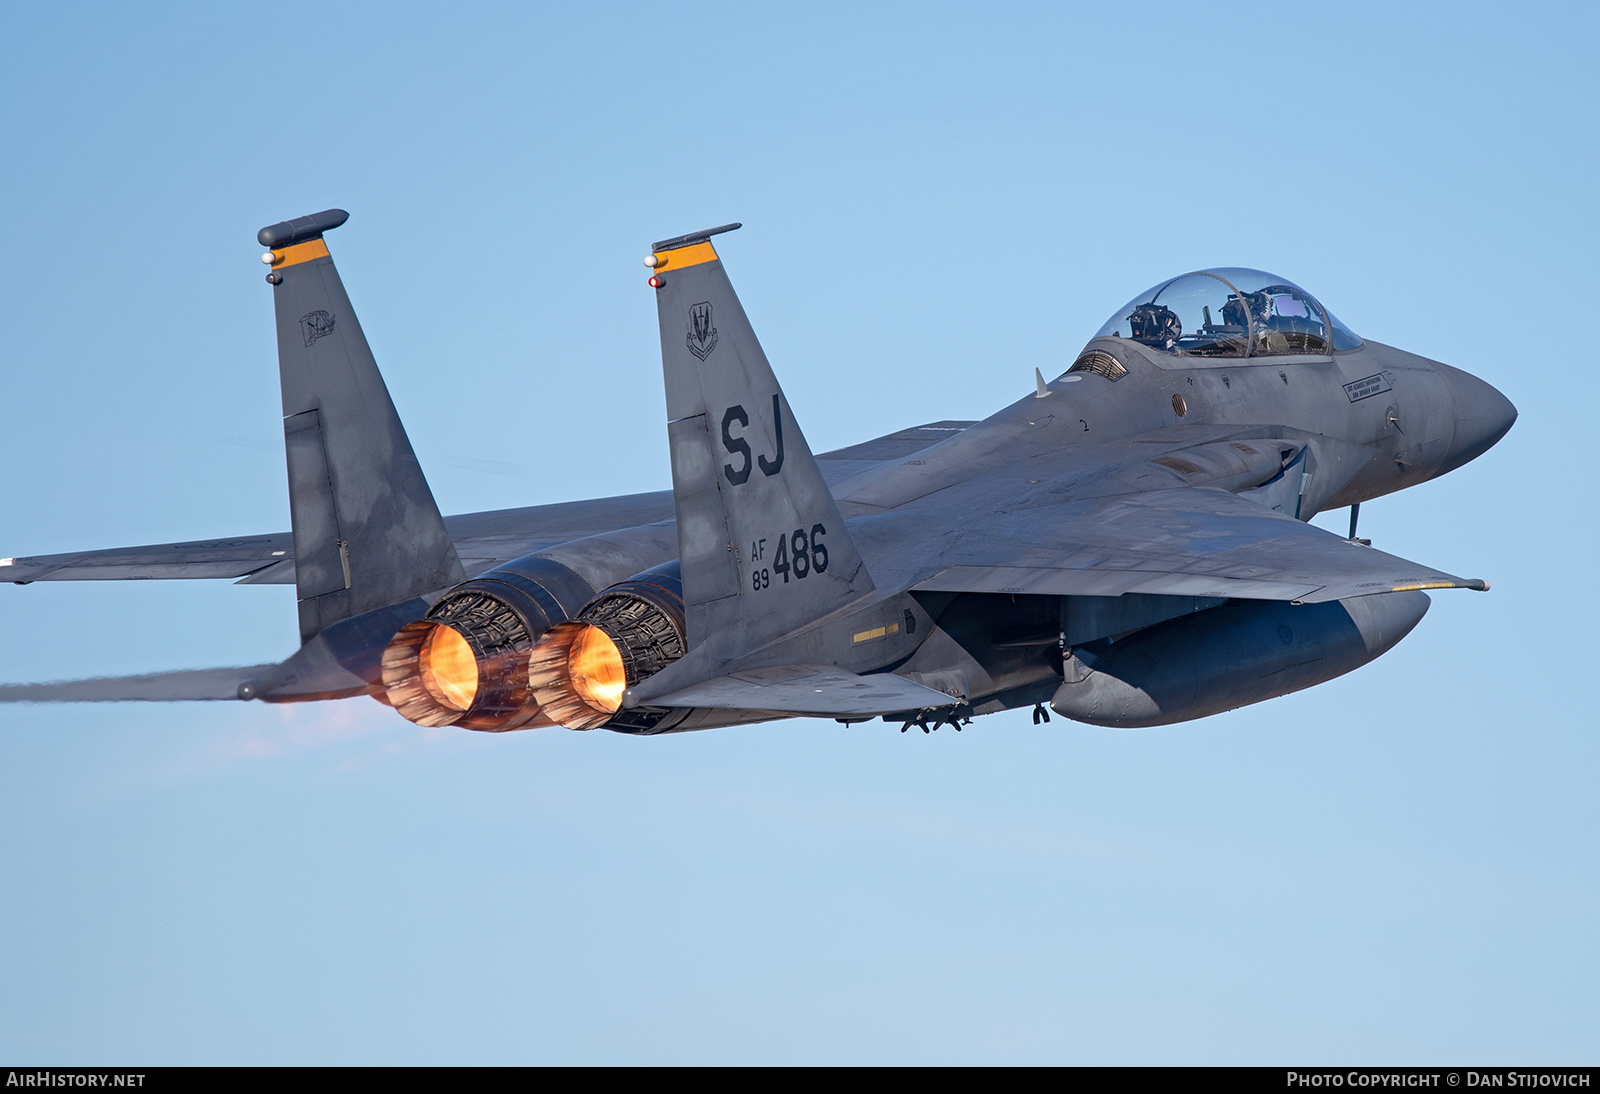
(1420, 418)
(1394, 419)
(1218, 383)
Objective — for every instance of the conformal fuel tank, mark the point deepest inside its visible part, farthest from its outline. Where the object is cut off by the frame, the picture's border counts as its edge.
(1231, 656)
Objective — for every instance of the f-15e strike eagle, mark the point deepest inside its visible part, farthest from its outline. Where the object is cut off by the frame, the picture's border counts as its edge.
(1127, 543)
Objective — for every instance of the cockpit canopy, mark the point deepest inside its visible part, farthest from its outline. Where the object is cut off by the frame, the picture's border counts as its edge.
(1229, 312)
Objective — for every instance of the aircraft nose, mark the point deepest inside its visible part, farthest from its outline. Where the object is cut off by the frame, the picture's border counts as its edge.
(1483, 416)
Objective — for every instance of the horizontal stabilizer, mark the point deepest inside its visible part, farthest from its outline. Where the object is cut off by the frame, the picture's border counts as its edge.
(155, 687)
(238, 556)
(808, 689)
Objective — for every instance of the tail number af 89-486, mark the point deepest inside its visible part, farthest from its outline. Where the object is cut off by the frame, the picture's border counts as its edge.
(799, 554)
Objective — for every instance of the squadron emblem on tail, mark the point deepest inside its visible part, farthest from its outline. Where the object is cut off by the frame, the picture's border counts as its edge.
(702, 337)
(315, 325)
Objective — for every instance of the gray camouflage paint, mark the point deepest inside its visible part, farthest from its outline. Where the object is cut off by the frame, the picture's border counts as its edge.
(969, 567)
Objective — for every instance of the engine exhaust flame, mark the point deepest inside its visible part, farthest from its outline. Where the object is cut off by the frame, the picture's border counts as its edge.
(579, 670)
(434, 676)
(596, 668)
(408, 687)
(465, 663)
(448, 668)
(554, 686)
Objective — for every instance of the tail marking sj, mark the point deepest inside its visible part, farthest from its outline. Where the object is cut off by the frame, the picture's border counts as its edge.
(738, 446)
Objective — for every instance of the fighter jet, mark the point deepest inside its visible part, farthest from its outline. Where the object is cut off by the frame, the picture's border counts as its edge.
(1126, 545)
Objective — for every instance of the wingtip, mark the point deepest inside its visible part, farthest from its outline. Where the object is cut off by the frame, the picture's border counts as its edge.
(1477, 584)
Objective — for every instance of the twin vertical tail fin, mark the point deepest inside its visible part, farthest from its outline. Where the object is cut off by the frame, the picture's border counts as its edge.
(367, 532)
(764, 550)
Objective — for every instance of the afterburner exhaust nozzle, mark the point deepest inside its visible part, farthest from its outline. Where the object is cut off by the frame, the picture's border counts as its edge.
(579, 670)
(573, 673)
(436, 659)
(438, 673)
(466, 663)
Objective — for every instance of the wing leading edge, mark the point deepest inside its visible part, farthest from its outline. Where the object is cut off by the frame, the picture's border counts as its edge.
(1184, 542)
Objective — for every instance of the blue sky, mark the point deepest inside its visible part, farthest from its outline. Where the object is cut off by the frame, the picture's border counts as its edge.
(1398, 866)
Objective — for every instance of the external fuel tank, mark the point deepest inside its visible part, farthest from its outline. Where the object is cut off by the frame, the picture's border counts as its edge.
(1231, 656)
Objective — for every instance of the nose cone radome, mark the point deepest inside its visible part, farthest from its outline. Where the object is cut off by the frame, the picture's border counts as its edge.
(1483, 416)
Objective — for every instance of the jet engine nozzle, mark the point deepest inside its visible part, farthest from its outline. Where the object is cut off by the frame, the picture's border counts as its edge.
(448, 667)
(466, 662)
(452, 670)
(631, 631)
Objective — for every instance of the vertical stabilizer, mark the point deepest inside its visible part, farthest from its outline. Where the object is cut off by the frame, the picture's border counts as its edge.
(763, 548)
(367, 532)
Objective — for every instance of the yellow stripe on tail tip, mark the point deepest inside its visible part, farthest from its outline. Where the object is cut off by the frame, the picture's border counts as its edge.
(694, 254)
(1416, 586)
(298, 253)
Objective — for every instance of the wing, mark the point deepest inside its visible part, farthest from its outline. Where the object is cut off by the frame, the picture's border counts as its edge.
(1188, 541)
(482, 540)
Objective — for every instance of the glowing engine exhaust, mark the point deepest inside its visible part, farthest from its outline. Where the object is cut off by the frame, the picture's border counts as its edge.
(631, 631)
(466, 662)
